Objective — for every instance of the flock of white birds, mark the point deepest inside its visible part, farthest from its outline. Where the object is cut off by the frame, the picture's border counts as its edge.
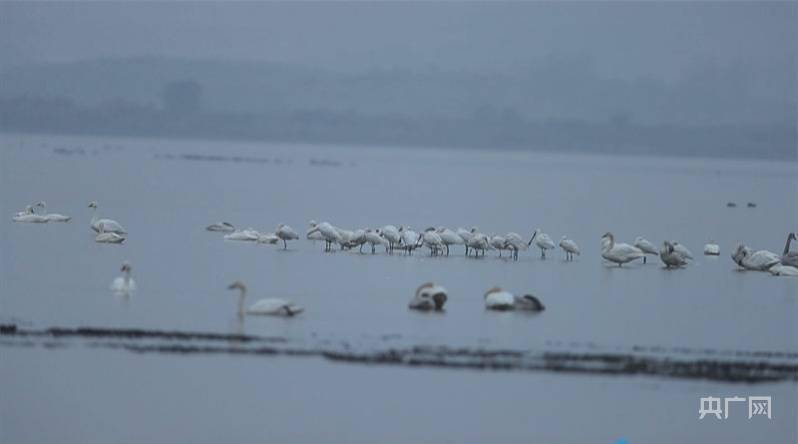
(438, 240)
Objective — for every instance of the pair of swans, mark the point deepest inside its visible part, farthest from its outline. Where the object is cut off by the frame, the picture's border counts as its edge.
(100, 225)
(431, 296)
(267, 307)
(763, 260)
(29, 215)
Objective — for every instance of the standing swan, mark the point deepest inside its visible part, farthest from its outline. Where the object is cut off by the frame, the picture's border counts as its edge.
(618, 253)
(110, 225)
(789, 258)
(52, 217)
(543, 241)
(268, 306)
(515, 243)
(285, 233)
(570, 248)
(124, 284)
(645, 246)
(671, 257)
(429, 296)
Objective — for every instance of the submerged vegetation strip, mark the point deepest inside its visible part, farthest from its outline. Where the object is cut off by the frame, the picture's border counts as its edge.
(755, 368)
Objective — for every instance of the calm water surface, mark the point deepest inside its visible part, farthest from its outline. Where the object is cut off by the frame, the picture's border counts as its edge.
(166, 192)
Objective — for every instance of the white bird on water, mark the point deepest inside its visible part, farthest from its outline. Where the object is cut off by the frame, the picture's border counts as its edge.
(618, 253)
(429, 296)
(313, 234)
(52, 217)
(712, 249)
(432, 240)
(671, 257)
(247, 234)
(392, 236)
(543, 241)
(570, 248)
(124, 284)
(760, 260)
(499, 243)
(516, 243)
(105, 237)
(29, 216)
(682, 250)
(223, 227)
(478, 242)
(449, 237)
(783, 270)
(328, 233)
(374, 238)
(285, 233)
(646, 247)
(110, 225)
(498, 299)
(466, 236)
(268, 306)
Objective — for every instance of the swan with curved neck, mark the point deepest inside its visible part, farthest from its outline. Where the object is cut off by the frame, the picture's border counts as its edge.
(619, 253)
(110, 225)
(268, 306)
(788, 257)
(52, 217)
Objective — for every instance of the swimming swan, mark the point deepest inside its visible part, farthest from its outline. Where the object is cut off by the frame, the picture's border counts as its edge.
(105, 237)
(111, 226)
(760, 260)
(29, 216)
(498, 299)
(124, 284)
(429, 296)
(52, 217)
(268, 306)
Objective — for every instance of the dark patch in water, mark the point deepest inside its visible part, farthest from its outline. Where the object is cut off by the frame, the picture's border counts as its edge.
(758, 366)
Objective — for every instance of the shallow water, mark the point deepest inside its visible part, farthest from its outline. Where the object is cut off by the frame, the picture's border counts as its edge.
(165, 192)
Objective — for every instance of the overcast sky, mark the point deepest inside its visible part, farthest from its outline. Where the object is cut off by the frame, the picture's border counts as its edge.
(622, 39)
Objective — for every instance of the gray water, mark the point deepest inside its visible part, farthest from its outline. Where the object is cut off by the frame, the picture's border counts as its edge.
(165, 192)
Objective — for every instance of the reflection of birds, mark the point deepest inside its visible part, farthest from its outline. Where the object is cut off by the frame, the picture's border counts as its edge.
(712, 249)
(124, 284)
(619, 253)
(268, 306)
(498, 299)
(543, 241)
(645, 246)
(429, 296)
(224, 227)
(789, 257)
(105, 237)
(670, 256)
(110, 225)
(285, 233)
(52, 217)
(760, 260)
(570, 248)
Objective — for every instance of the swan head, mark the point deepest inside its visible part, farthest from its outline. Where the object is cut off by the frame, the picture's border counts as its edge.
(126, 267)
(237, 285)
(93, 204)
(432, 291)
(608, 235)
(312, 223)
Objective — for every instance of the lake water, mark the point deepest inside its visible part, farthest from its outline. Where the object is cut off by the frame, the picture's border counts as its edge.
(82, 389)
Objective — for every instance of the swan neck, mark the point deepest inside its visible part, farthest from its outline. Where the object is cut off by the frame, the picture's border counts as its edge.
(787, 245)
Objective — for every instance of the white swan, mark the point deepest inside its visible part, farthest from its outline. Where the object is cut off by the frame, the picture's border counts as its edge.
(789, 257)
(268, 238)
(645, 246)
(760, 260)
(111, 226)
(248, 235)
(711, 249)
(328, 234)
(410, 240)
(671, 257)
(223, 227)
(29, 216)
(268, 306)
(498, 299)
(52, 217)
(681, 249)
(449, 237)
(357, 239)
(391, 234)
(618, 253)
(374, 238)
(105, 237)
(432, 240)
(570, 248)
(466, 236)
(499, 243)
(478, 242)
(516, 243)
(312, 234)
(429, 296)
(543, 241)
(285, 233)
(124, 284)
(783, 270)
